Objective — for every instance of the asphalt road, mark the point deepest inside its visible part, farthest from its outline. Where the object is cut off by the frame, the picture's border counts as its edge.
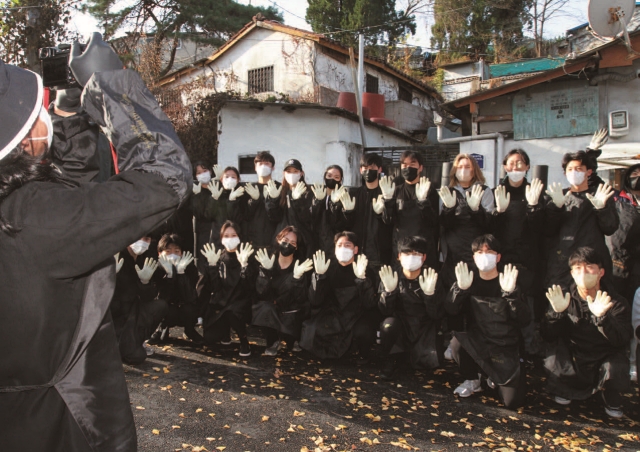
(194, 399)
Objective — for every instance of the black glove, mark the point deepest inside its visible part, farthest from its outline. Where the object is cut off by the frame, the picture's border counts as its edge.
(68, 100)
(97, 57)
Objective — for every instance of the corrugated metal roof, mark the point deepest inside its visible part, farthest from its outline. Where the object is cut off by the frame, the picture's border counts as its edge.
(525, 66)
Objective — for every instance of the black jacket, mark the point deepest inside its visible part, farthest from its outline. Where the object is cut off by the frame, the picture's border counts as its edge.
(328, 219)
(295, 212)
(259, 226)
(61, 382)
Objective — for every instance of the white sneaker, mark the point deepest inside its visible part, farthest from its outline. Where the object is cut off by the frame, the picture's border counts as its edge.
(296, 347)
(490, 383)
(468, 388)
(448, 354)
(615, 413)
(561, 400)
(200, 320)
(633, 373)
(273, 349)
(148, 349)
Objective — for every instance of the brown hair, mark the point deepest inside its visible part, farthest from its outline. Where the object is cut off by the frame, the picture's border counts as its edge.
(229, 224)
(477, 172)
(285, 231)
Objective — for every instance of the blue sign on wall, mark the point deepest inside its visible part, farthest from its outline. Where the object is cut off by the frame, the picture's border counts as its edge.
(480, 159)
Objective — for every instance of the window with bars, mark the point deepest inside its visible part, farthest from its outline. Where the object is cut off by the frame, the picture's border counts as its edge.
(260, 80)
(371, 84)
(404, 93)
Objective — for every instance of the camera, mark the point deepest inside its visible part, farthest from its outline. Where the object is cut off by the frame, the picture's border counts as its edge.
(54, 63)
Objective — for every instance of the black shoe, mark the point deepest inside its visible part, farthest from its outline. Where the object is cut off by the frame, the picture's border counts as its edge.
(194, 336)
(245, 349)
(160, 335)
(388, 370)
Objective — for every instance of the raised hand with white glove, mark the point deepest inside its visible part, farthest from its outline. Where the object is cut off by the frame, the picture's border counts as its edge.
(378, 205)
(252, 191)
(348, 203)
(555, 192)
(235, 194)
(167, 265)
(197, 188)
(119, 262)
(299, 190)
(320, 263)
(337, 194)
(388, 187)
(428, 281)
(600, 305)
(603, 193)
(300, 269)
(448, 197)
(502, 198)
(422, 188)
(273, 190)
(475, 197)
(319, 191)
(599, 139)
(360, 266)
(184, 262)
(216, 189)
(213, 256)
(533, 191)
(508, 278)
(464, 276)
(147, 271)
(262, 256)
(218, 172)
(558, 301)
(244, 253)
(389, 278)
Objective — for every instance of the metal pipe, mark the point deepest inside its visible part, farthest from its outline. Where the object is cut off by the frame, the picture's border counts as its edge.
(360, 65)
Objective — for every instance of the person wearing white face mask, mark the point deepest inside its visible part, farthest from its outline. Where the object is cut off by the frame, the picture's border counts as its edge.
(496, 311)
(578, 216)
(231, 276)
(412, 307)
(589, 329)
(228, 202)
(343, 303)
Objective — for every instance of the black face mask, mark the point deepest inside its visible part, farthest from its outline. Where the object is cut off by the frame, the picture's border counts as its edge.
(286, 249)
(331, 183)
(409, 173)
(634, 183)
(370, 175)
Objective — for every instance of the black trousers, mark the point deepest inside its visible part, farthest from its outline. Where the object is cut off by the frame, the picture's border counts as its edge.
(220, 329)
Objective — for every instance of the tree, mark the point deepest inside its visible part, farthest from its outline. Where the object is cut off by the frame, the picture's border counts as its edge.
(168, 21)
(378, 20)
(541, 11)
(27, 25)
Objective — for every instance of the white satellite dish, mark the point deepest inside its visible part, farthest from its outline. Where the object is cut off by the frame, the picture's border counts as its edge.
(609, 19)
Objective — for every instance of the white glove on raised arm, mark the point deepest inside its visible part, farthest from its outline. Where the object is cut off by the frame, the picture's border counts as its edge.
(508, 278)
(299, 190)
(348, 203)
(149, 267)
(428, 281)
(216, 189)
(448, 197)
(475, 197)
(245, 252)
(502, 198)
(319, 191)
(360, 266)
(184, 262)
(262, 256)
(389, 278)
(388, 187)
(235, 194)
(422, 188)
(300, 269)
(378, 205)
(166, 264)
(337, 194)
(599, 139)
(217, 171)
(601, 304)
(533, 191)
(555, 192)
(603, 193)
(320, 263)
(464, 276)
(558, 301)
(252, 191)
(197, 188)
(273, 189)
(213, 256)
(119, 262)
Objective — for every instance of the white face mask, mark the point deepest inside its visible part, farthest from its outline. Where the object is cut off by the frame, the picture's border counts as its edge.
(230, 243)
(516, 176)
(410, 262)
(292, 178)
(173, 258)
(204, 178)
(263, 170)
(576, 178)
(586, 280)
(229, 183)
(139, 247)
(485, 261)
(463, 175)
(344, 254)
(46, 118)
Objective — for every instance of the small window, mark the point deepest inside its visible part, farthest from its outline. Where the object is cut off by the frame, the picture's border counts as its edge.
(245, 164)
(260, 80)
(404, 93)
(371, 84)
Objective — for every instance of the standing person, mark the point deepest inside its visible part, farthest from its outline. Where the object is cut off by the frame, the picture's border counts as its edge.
(496, 312)
(61, 384)
(326, 208)
(590, 329)
(232, 281)
(343, 303)
(412, 309)
(290, 204)
(578, 216)
(408, 209)
(201, 205)
(229, 200)
(282, 288)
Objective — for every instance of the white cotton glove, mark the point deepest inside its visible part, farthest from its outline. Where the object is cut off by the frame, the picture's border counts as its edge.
(599, 139)
(167, 265)
(149, 267)
(197, 188)
(320, 263)
(300, 269)
(360, 266)
(273, 190)
(448, 197)
(184, 262)
(348, 203)
(245, 252)
(559, 302)
(502, 198)
(388, 187)
(600, 305)
(428, 281)
(213, 256)
(533, 191)
(603, 193)
(319, 191)
(508, 278)
(422, 188)
(262, 256)
(464, 276)
(216, 189)
(119, 262)
(218, 172)
(378, 205)
(235, 194)
(555, 192)
(336, 194)
(299, 190)
(389, 278)
(475, 197)
(252, 191)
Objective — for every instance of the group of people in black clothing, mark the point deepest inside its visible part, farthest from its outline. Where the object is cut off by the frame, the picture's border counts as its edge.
(499, 274)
